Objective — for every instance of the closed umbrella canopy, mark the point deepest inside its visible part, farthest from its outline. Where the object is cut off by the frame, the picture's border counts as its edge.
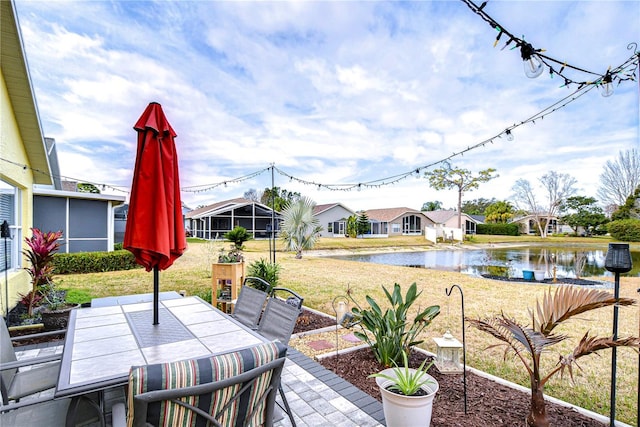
(155, 228)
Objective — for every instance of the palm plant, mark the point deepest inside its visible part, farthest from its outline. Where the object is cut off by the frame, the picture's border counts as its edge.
(300, 230)
(530, 342)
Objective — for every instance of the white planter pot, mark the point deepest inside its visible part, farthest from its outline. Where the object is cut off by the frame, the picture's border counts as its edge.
(539, 274)
(406, 411)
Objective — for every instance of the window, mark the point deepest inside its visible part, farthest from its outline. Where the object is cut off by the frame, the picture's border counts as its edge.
(330, 227)
(411, 224)
(395, 228)
(10, 258)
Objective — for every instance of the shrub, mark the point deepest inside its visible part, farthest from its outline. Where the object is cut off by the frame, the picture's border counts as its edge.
(265, 270)
(498, 229)
(94, 262)
(626, 230)
(392, 331)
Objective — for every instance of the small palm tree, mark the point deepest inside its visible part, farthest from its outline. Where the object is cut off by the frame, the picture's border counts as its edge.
(529, 343)
(300, 230)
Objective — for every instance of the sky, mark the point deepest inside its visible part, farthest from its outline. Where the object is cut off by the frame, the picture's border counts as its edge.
(331, 93)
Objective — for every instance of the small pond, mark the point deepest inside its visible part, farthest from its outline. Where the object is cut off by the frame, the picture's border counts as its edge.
(507, 262)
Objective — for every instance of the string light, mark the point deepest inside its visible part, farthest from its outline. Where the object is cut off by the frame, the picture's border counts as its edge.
(534, 60)
(509, 135)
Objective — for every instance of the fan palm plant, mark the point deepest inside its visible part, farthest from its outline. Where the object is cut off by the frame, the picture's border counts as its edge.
(300, 230)
(530, 342)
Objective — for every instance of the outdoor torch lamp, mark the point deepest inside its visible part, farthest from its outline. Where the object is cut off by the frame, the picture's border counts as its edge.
(448, 355)
(618, 261)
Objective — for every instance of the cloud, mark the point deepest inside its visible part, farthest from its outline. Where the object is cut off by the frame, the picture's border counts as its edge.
(330, 92)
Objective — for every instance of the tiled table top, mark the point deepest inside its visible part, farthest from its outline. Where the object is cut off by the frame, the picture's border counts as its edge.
(102, 343)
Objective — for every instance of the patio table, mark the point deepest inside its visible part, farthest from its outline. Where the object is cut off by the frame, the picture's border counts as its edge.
(102, 343)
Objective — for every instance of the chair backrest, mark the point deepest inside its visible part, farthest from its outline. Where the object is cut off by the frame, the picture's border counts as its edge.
(278, 320)
(233, 389)
(7, 354)
(292, 297)
(249, 306)
(257, 283)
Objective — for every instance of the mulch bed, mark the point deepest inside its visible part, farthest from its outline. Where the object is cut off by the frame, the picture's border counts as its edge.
(310, 321)
(488, 403)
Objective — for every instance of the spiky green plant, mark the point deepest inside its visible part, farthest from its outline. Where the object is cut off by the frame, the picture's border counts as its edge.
(530, 342)
(392, 332)
(407, 381)
(300, 230)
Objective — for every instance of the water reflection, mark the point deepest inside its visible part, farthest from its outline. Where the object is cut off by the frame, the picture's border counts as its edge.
(509, 262)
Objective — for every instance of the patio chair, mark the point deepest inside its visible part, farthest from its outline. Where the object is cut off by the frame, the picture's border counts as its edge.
(249, 306)
(292, 299)
(232, 389)
(277, 323)
(16, 383)
(21, 403)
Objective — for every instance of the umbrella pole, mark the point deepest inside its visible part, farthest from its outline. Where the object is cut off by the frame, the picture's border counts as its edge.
(156, 292)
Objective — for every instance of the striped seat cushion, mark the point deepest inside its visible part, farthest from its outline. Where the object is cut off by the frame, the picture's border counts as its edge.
(199, 371)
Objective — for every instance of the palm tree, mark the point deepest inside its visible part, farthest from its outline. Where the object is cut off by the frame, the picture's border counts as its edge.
(300, 230)
(529, 343)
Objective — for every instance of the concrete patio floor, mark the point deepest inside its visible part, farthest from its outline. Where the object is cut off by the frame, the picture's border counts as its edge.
(317, 396)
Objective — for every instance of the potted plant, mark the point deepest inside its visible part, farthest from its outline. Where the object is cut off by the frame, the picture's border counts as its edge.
(56, 309)
(407, 394)
(237, 236)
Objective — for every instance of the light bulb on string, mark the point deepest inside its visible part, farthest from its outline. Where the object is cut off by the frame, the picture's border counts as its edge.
(606, 85)
(509, 135)
(533, 65)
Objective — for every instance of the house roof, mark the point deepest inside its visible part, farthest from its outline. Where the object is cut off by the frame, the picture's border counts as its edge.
(441, 216)
(116, 200)
(389, 214)
(222, 206)
(318, 209)
(16, 75)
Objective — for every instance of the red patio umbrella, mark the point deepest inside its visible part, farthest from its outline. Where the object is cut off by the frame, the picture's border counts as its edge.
(155, 228)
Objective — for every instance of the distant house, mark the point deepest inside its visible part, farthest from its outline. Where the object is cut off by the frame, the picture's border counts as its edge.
(449, 218)
(528, 225)
(213, 221)
(445, 225)
(396, 222)
(333, 219)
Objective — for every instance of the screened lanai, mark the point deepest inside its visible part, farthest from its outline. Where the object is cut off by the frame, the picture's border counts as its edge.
(213, 221)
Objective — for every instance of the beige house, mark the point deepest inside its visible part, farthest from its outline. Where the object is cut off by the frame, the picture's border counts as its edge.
(448, 218)
(23, 156)
(528, 224)
(396, 222)
(333, 219)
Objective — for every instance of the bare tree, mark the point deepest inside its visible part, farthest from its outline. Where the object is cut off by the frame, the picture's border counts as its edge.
(619, 178)
(557, 186)
(252, 194)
